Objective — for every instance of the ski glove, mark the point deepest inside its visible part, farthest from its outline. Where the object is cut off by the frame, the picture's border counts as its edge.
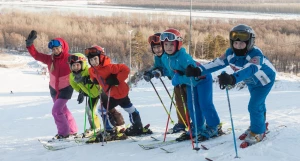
(225, 80)
(80, 97)
(157, 73)
(192, 71)
(175, 80)
(87, 80)
(31, 37)
(112, 80)
(147, 76)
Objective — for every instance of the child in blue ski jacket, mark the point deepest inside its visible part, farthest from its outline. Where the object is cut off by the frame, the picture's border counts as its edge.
(251, 66)
(159, 70)
(176, 60)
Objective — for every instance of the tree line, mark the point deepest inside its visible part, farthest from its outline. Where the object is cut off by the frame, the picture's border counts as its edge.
(278, 39)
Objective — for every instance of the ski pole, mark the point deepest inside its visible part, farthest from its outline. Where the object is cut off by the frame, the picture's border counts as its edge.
(92, 109)
(101, 109)
(186, 115)
(107, 106)
(84, 127)
(169, 116)
(232, 127)
(101, 106)
(195, 118)
(182, 119)
(162, 102)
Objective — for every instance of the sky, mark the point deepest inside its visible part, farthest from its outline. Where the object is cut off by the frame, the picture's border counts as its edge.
(25, 117)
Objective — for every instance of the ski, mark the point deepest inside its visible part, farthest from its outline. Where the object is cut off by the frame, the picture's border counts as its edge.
(245, 144)
(167, 151)
(154, 139)
(53, 146)
(157, 145)
(173, 149)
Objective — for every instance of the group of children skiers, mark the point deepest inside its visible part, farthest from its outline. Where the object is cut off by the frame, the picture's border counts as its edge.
(192, 81)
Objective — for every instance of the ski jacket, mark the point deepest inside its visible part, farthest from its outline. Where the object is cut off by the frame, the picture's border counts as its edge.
(254, 69)
(159, 65)
(59, 78)
(101, 72)
(177, 63)
(89, 88)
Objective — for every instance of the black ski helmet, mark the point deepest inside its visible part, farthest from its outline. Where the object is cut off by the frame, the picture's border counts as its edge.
(243, 28)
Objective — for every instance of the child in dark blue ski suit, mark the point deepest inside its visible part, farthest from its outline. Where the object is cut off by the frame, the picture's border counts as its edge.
(251, 66)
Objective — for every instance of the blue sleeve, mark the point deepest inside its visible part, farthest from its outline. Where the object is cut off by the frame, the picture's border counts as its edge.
(217, 63)
(158, 64)
(185, 60)
(245, 73)
(255, 60)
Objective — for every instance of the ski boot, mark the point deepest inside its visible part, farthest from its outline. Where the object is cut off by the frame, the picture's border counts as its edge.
(89, 132)
(179, 127)
(109, 135)
(137, 130)
(184, 136)
(251, 139)
(244, 135)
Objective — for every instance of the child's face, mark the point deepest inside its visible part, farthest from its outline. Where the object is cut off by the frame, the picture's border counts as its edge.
(239, 44)
(94, 61)
(169, 47)
(76, 67)
(57, 50)
(157, 50)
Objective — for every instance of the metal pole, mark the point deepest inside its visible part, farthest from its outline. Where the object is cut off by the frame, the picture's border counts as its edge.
(232, 126)
(190, 41)
(130, 59)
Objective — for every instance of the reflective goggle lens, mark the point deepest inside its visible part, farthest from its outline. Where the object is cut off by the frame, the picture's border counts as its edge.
(53, 43)
(169, 36)
(74, 59)
(242, 36)
(91, 51)
(155, 39)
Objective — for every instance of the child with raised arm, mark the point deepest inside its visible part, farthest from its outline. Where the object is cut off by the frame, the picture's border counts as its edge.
(60, 89)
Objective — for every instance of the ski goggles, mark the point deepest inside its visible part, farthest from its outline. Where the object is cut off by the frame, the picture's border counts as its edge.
(169, 36)
(75, 59)
(53, 43)
(239, 35)
(155, 39)
(92, 51)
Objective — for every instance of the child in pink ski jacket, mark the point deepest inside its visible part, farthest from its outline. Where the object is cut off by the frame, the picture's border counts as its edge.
(60, 89)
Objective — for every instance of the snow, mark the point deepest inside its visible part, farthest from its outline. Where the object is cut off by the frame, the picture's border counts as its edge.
(82, 8)
(25, 117)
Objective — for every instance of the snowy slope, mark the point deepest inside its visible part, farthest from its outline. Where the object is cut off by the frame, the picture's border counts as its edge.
(25, 117)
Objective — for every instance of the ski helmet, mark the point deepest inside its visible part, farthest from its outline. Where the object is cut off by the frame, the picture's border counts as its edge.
(242, 33)
(154, 40)
(77, 58)
(172, 35)
(97, 51)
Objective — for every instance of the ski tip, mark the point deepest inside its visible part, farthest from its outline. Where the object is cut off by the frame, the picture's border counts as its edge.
(147, 126)
(204, 147)
(208, 159)
(244, 145)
